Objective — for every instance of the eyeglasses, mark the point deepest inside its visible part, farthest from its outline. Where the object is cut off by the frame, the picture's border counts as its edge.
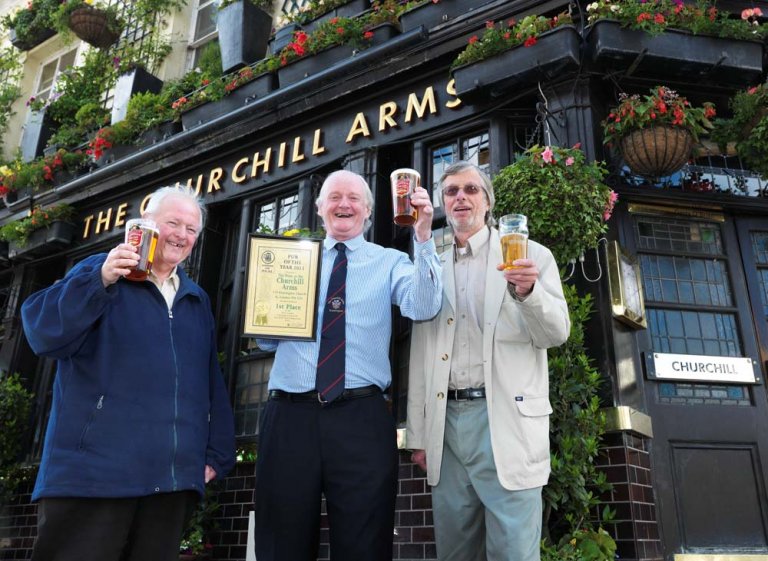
(453, 190)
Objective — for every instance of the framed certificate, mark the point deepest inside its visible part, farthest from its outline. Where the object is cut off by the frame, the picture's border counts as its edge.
(281, 284)
(625, 283)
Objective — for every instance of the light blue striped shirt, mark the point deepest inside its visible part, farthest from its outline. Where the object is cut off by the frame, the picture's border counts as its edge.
(377, 277)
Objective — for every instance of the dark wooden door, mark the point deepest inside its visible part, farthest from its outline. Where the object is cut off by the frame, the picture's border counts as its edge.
(706, 284)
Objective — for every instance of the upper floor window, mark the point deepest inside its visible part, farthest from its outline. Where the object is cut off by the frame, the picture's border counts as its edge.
(204, 29)
(50, 72)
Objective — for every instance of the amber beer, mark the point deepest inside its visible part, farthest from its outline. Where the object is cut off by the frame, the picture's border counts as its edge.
(404, 182)
(142, 233)
(513, 229)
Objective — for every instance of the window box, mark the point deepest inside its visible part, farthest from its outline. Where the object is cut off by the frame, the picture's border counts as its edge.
(29, 43)
(383, 33)
(675, 54)
(136, 80)
(243, 34)
(44, 241)
(312, 64)
(348, 10)
(160, 133)
(431, 15)
(37, 130)
(282, 37)
(554, 53)
(248, 92)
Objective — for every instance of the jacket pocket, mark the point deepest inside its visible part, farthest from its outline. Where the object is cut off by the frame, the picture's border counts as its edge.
(534, 419)
(91, 418)
(510, 325)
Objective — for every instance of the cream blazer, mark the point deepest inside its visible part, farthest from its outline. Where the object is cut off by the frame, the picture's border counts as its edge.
(515, 338)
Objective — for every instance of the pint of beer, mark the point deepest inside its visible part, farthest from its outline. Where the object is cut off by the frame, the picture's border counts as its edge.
(404, 182)
(513, 229)
(142, 233)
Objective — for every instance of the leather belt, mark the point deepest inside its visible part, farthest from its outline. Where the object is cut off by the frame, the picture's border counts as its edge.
(466, 394)
(311, 396)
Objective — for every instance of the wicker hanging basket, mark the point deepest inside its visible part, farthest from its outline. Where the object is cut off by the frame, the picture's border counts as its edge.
(92, 26)
(656, 151)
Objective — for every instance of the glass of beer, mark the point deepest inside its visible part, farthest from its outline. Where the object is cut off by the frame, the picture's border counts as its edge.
(142, 233)
(404, 182)
(513, 229)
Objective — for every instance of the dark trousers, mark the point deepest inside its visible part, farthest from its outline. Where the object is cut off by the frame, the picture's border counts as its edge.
(346, 451)
(132, 529)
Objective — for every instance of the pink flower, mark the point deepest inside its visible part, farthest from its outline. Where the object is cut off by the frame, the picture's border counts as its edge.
(547, 155)
(612, 198)
(569, 161)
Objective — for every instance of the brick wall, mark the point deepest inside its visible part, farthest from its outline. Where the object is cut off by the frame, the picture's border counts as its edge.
(626, 461)
(414, 534)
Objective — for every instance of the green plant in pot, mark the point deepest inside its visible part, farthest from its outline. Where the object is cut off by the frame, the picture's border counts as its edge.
(31, 22)
(18, 231)
(747, 128)
(94, 21)
(656, 132)
(562, 195)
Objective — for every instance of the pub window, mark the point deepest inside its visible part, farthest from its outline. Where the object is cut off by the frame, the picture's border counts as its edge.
(7, 312)
(473, 148)
(760, 249)
(689, 300)
(280, 215)
(204, 29)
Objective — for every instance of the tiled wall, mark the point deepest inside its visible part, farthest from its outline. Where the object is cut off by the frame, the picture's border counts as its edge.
(414, 535)
(625, 459)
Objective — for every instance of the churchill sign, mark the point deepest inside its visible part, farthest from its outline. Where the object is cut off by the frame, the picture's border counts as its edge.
(702, 368)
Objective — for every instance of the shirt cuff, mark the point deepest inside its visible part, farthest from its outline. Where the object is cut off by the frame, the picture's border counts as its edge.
(424, 248)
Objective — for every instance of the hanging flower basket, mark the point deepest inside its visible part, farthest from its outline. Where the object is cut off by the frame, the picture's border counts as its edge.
(656, 151)
(94, 26)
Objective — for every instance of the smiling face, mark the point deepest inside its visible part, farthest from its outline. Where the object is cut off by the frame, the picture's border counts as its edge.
(466, 203)
(343, 206)
(178, 220)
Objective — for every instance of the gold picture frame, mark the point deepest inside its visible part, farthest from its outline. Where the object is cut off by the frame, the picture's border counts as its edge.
(282, 285)
(626, 287)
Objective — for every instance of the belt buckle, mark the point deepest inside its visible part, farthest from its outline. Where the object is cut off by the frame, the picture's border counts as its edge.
(457, 398)
(321, 400)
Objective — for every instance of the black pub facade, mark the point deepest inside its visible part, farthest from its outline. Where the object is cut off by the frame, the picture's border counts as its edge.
(684, 385)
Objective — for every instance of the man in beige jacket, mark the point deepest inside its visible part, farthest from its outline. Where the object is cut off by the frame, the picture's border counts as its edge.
(478, 394)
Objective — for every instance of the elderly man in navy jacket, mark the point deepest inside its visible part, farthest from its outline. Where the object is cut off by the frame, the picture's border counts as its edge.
(141, 419)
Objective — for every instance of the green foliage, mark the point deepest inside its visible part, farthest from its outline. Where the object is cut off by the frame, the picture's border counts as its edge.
(575, 429)
(19, 231)
(196, 536)
(562, 195)
(701, 18)
(748, 128)
(60, 18)
(582, 545)
(91, 116)
(265, 5)
(662, 106)
(15, 406)
(312, 10)
(210, 60)
(32, 20)
(503, 36)
(11, 69)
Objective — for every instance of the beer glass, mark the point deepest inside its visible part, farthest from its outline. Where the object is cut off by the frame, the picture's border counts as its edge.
(513, 229)
(404, 182)
(142, 233)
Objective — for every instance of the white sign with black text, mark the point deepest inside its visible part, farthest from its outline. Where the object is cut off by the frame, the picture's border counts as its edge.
(704, 368)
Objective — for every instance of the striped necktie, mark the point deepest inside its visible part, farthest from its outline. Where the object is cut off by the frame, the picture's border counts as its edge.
(331, 359)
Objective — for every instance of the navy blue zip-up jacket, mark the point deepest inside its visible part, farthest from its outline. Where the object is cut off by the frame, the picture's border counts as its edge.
(139, 403)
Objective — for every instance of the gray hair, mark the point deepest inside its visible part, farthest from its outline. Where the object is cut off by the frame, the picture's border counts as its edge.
(156, 199)
(485, 182)
(333, 177)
